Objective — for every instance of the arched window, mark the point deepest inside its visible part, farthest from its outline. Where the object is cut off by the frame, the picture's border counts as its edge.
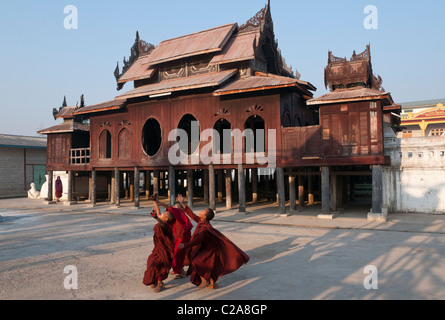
(190, 125)
(255, 140)
(151, 137)
(105, 145)
(223, 127)
(125, 144)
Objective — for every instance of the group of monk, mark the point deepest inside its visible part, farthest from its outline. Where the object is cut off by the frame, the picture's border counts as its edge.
(208, 253)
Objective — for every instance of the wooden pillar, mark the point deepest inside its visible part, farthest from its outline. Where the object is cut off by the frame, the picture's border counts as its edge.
(147, 181)
(325, 190)
(50, 186)
(334, 192)
(70, 185)
(228, 189)
(241, 188)
(172, 185)
(292, 193)
(220, 185)
(280, 189)
(136, 187)
(113, 188)
(205, 185)
(156, 182)
(117, 188)
(254, 185)
(131, 185)
(212, 200)
(377, 189)
(300, 190)
(190, 187)
(266, 181)
(93, 187)
(310, 190)
(89, 186)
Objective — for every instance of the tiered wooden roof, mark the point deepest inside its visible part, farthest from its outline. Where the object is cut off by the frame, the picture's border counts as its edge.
(225, 60)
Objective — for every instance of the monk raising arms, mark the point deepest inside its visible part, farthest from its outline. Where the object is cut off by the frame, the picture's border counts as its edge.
(160, 260)
(181, 227)
(212, 254)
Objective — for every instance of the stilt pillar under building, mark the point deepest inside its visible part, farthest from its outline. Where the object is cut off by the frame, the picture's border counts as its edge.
(281, 191)
(172, 185)
(254, 175)
(117, 188)
(93, 187)
(292, 193)
(241, 189)
(136, 188)
(190, 187)
(211, 188)
(228, 189)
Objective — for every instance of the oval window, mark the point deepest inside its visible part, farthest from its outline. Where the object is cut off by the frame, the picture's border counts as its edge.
(151, 137)
(190, 125)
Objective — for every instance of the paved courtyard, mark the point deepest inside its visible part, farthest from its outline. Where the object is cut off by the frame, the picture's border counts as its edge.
(295, 257)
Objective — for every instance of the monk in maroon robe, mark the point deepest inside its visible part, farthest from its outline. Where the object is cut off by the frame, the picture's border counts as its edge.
(212, 254)
(159, 261)
(182, 233)
(58, 189)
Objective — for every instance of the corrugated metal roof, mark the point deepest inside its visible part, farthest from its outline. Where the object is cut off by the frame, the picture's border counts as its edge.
(139, 70)
(14, 141)
(240, 47)
(212, 40)
(340, 95)
(261, 82)
(65, 127)
(187, 83)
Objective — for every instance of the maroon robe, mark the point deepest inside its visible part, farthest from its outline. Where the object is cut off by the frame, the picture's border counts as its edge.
(182, 232)
(58, 188)
(159, 261)
(212, 254)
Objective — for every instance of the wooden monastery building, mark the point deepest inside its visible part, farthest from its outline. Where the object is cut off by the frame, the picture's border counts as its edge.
(270, 138)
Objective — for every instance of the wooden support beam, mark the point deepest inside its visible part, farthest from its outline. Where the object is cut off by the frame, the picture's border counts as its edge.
(300, 191)
(377, 189)
(172, 185)
(241, 188)
(212, 200)
(205, 173)
(117, 188)
(292, 193)
(93, 187)
(190, 187)
(325, 190)
(156, 178)
(220, 185)
(310, 190)
(136, 187)
(228, 189)
(50, 186)
(281, 191)
(254, 185)
(70, 185)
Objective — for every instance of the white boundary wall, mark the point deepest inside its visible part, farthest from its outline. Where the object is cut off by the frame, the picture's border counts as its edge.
(415, 182)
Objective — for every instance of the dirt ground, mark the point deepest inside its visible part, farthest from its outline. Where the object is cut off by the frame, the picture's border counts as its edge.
(298, 257)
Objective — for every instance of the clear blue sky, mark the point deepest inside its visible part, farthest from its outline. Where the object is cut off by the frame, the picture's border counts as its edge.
(41, 61)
